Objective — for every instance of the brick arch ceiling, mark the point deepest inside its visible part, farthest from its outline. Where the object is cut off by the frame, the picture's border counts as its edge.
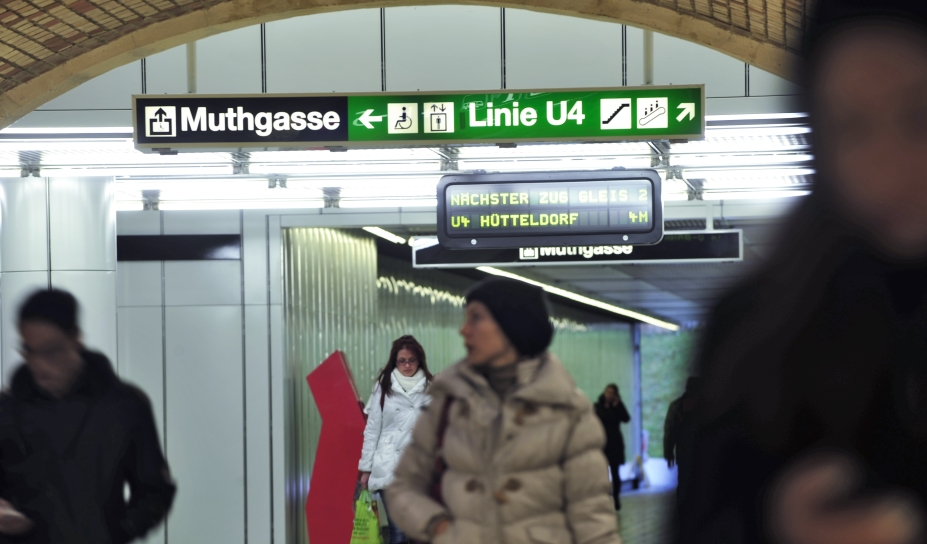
(48, 47)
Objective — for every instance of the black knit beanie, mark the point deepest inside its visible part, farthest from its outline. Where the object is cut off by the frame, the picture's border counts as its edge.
(52, 306)
(520, 309)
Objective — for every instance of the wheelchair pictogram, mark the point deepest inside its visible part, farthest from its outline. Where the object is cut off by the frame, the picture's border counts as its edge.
(403, 118)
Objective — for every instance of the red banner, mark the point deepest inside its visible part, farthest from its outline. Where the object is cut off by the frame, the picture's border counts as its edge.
(330, 504)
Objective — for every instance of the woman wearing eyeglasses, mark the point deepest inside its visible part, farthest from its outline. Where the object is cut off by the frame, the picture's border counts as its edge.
(398, 397)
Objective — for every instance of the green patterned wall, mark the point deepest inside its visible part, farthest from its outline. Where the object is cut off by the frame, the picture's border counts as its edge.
(340, 295)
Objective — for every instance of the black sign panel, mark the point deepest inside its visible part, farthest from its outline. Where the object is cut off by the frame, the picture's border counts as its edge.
(179, 247)
(201, 120)
(562, 208)
(676, 247)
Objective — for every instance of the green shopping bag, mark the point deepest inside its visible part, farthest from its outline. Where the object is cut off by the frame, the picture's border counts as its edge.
(366, 520)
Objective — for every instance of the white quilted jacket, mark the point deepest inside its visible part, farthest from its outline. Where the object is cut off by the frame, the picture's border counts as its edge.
(389, 430)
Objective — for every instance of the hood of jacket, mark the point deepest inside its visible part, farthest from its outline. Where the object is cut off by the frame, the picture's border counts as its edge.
(540, 380)
(95, 378)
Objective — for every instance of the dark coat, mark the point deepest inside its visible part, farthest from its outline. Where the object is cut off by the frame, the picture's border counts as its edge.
(64, 463)
(612, 417)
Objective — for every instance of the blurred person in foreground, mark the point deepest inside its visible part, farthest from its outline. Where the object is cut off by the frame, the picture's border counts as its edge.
(72, 437)
(814, 422)
(398, 397)
(612, 413)
(509, 451)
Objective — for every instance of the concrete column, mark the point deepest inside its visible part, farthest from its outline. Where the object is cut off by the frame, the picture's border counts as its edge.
(58, 232)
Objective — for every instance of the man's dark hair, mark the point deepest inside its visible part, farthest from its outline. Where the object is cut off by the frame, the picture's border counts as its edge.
(52, 306)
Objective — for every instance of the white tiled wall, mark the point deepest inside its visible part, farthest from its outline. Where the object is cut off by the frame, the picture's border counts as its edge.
(452, 47)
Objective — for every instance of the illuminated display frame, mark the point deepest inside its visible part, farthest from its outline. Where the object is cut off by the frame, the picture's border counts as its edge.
(477, 241)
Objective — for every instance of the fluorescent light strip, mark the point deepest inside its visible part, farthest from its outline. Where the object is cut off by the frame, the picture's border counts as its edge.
(239, 204)
(389, 203)
(580, 298)
(67, 130)
(386, 235)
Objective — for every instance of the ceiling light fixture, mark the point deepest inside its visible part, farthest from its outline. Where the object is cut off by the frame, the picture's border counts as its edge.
(582, 299)
(386, 235)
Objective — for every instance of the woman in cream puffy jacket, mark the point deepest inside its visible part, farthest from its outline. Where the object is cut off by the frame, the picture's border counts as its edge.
(400, 394)
(521, 444)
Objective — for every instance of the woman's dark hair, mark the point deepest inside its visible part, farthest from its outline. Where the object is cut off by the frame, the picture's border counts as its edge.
(385, 379)
(613, 386)
(53, 306)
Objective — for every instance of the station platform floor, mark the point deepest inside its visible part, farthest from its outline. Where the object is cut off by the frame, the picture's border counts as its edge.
(645, 516)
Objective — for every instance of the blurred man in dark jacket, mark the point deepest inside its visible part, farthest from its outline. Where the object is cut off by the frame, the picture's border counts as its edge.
(677, 433)
(72, 437)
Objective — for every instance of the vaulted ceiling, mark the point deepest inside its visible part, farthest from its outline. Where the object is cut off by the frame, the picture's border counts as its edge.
(48, 47)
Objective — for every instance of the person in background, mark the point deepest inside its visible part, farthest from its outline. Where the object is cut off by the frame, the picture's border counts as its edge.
(509, 451)
(398, 397)
(813, 423)
(677, 429)
(72, 437)
(612, 413)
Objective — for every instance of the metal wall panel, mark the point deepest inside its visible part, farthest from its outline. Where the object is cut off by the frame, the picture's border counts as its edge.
(254, 254)
(166, 72)
(553, 51)
(138, 283)
(679, 62)
(202, 283)
(229, 62)
(315, 53)
(96, 294)
(24, 228)
(202, 222)
(204, 426)
(111, 90)
(82, 223)
(257, 401)
(436, 48)
(279, 386)
(138, 223)
(141, 355)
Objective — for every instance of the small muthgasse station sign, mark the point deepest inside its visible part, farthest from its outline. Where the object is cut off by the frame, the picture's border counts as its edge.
(375, 120)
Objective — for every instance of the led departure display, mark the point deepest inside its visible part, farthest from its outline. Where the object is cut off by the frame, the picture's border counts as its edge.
(501, 210)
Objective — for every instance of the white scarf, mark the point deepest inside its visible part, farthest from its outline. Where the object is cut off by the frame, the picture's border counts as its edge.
(408, 382)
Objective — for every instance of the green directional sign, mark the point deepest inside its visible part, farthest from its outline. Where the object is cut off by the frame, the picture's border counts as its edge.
(627, 113)
(383, 119)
